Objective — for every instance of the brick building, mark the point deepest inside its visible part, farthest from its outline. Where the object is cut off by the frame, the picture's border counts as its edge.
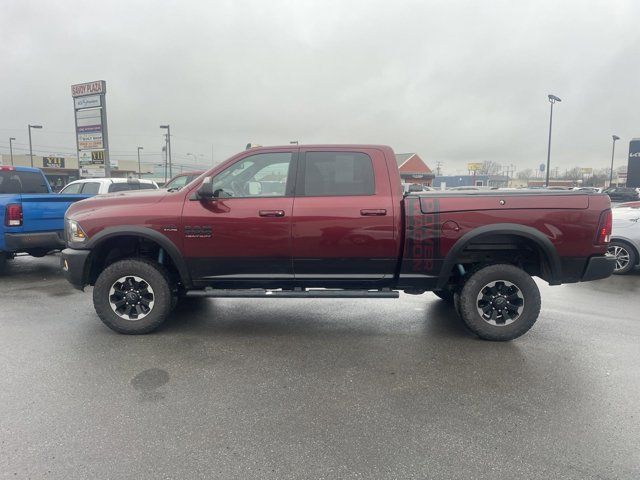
(413, 169)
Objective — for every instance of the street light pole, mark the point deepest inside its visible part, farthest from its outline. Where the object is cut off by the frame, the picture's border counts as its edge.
(11, 139)
(552, 99)
(613, 151)
(30, 147)
(168, 128)
(139, 169)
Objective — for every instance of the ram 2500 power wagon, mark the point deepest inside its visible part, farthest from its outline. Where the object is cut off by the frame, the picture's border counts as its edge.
(331, 222)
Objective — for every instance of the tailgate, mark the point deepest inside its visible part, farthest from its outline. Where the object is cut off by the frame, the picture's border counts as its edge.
(45, 212)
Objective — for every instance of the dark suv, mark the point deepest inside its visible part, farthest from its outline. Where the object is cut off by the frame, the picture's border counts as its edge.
(622, 194)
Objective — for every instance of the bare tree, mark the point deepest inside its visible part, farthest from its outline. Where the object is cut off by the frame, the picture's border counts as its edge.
(489, 167)
(525, 174)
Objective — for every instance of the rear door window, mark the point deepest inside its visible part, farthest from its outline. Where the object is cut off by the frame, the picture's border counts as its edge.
(91, 188)
(122, 187)
(336, 174)
(22, 182)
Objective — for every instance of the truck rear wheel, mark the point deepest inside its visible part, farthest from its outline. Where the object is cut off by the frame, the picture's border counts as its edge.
(499, 302)
(3, 261)
(133, 296)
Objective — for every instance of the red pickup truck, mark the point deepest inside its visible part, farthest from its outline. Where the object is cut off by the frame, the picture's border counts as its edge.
(331, 221)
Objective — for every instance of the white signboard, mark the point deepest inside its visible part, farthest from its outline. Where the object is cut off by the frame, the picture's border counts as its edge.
(88, 88)
(90, 145)
(90, 101)
(92, 171)
(90, 141)
(84, 158)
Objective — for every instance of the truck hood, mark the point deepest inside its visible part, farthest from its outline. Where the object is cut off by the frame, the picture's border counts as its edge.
(119, 198)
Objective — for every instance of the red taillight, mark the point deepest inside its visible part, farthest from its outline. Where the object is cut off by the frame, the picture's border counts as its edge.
(13, 215)
(604, 228)
(6, 168)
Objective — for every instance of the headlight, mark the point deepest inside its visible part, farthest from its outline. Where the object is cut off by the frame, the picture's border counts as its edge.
(75, 232)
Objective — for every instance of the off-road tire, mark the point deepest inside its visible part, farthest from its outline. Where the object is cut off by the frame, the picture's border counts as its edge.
(152, 273)
(468, 302)
(3, 262)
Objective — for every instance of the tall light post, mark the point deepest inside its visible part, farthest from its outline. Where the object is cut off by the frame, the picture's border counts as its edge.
(168, 129)
(139, 169)
(552, 99)
(613, 151)
(11, 139)
(30, 147)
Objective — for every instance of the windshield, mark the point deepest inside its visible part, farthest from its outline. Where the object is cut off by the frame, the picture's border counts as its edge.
(181, 181)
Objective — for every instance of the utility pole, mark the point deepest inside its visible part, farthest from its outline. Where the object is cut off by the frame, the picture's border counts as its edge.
(30, 146)
(11, 139)
(139, 169)
(552, 99)
(168, 129)
(438, 167)
(613, 151)
(164, 149)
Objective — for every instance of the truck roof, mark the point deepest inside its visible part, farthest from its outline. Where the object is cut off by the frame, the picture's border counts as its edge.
(20, 169)
(323, 145)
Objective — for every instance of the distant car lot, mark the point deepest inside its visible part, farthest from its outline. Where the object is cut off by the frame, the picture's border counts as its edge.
(258, 389)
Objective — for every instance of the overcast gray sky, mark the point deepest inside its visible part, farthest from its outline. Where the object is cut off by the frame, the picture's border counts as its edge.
(455, 81)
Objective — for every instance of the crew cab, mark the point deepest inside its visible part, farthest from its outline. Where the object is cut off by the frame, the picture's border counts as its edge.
(32, 215)
(331, 221)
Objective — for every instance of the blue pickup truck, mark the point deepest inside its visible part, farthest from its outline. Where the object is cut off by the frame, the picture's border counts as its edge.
(32, 216)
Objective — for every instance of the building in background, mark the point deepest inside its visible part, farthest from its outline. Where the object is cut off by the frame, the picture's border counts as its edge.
(491, 181)
(413, 169)
(61, 170)
(632, 172)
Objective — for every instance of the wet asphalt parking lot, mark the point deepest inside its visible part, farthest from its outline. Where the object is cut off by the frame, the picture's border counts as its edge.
(287, 388)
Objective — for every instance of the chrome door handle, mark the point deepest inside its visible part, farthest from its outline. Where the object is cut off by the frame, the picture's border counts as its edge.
(271, 213)
(373, 212)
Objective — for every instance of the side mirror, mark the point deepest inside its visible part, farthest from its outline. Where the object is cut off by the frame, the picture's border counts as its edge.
(206, 192)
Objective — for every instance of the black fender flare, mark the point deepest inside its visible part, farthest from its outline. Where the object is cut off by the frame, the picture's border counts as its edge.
(530, 233)
(137, 231)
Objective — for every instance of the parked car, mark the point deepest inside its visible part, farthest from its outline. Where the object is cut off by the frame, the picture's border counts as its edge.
(415, 188)
(341, 224)
(182, 179)
(625, 238)
(32, 215)
(99, 186)
(588, 189)
(471, 188)
(621, 194)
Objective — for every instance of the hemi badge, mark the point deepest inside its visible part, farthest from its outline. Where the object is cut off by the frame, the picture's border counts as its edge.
(170, 228)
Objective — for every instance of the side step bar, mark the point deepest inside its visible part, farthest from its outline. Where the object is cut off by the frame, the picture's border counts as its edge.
(260, 293)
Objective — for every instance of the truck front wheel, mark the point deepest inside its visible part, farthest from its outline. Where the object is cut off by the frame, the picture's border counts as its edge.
(499, 302)
(133, 296)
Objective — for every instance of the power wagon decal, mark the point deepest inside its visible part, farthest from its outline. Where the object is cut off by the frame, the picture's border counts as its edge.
(422, 240)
